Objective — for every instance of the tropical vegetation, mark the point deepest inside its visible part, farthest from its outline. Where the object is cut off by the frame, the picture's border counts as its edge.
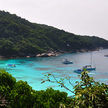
(19, 37)
(18, 94)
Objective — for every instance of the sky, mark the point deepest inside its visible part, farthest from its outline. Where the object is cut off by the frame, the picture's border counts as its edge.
(82, 17)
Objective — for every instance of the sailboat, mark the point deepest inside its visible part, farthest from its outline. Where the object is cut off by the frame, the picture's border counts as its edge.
(90, 67)
(86, 67)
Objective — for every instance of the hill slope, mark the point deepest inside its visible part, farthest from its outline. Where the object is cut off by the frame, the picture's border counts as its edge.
(19, 37)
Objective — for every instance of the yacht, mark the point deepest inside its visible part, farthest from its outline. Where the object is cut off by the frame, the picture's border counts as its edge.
(66, 61)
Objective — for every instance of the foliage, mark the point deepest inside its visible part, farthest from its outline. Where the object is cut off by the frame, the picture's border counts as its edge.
(7, 82)
(90, 94)
(19, 37)
(50, 98)
(87, 93)
(20, 95)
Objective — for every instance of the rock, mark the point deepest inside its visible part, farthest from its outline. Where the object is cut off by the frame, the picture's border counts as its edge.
(38, 55)
(49, 54)
(28, 56)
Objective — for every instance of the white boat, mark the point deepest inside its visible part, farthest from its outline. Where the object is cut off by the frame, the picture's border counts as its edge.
(67, 62)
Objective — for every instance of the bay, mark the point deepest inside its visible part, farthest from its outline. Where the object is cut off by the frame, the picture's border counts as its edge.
(33, 70)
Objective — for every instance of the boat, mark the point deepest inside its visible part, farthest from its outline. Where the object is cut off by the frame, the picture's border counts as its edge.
(106, 55)
(67, 62)
(78, 71)
(89, 68)
(86, 67)
(11, 65)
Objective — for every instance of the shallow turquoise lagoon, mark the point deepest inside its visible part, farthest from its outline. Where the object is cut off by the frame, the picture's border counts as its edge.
(33, 70)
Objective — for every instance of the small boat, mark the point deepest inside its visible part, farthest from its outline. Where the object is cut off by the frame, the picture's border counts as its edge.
(106, 55)
(11, 65)
(78, 71)
(87, 67)
(67, 62)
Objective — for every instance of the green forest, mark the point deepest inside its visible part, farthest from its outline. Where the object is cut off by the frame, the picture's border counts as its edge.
(19, 37)
(18, 94)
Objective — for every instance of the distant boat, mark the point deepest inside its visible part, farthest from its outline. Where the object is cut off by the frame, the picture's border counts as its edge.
(78, 71)
(106, 55)
(86, 67)
(11, 65)
(89, 68)
(67, 62)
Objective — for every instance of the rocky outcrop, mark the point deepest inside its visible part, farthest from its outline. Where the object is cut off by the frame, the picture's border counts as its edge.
(48, 54)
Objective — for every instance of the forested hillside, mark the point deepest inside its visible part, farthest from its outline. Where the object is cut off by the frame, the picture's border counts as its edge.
(19, 37)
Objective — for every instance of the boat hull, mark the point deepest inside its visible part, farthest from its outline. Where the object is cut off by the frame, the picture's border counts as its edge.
(67, 62)
(81, 70)
(90, 69)
(78, 71)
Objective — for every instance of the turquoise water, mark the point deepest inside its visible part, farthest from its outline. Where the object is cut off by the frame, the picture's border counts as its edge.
(33, 70)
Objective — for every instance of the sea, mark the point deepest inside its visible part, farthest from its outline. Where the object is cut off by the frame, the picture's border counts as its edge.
(36, 70)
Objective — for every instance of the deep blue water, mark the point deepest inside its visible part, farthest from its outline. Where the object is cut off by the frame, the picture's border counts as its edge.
(33, 70)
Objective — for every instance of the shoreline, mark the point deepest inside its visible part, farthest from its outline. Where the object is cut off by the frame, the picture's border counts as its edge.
(51, 53)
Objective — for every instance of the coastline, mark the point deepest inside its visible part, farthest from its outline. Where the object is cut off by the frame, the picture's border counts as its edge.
(52, 53)
(56, 53)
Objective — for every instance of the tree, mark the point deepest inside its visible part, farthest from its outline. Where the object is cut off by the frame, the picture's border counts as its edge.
(87, 93)
(90, 94)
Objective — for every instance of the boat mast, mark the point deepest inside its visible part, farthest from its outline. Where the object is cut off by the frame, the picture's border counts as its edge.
(91, 58)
